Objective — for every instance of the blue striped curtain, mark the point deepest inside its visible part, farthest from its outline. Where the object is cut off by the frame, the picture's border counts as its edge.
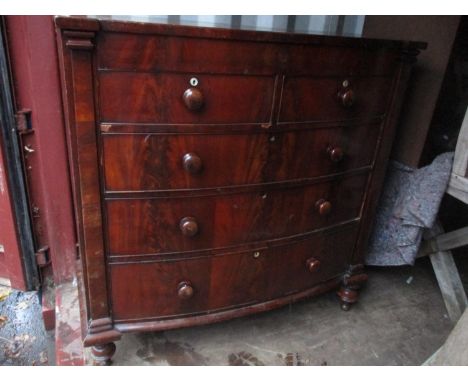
(327, 25)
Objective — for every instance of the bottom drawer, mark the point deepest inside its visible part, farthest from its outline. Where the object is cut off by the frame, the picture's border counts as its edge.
(226, 281)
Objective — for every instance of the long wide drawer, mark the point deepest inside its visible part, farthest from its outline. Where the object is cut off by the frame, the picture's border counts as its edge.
(215, 282)
(191, 161)
(156, 53)
(189, 223)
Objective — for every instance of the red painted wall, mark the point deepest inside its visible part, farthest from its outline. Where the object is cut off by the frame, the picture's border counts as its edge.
(34, 64)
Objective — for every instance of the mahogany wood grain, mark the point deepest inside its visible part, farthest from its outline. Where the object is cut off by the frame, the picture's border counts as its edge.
(213, 54)
(226, 281)
(310, 99)
(79, 64)
(78, 89)
(162, 323)
(156, 161)
(158, 98)
(255, 189)
(151, 225)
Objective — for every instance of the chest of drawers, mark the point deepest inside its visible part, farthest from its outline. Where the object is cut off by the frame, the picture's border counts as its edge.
(219, 173)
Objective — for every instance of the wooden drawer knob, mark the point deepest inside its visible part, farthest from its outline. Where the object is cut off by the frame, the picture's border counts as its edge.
(347, 97)
(312, 265)
(192, 163)
(335, 154)
(185, 290)
(193, 99)
(323, 207)
(188, 226)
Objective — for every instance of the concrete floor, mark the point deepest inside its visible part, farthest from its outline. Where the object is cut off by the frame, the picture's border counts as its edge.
(399, 320)
(23, 338)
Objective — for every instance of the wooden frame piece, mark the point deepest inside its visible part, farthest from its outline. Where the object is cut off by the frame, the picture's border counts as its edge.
(79, 102)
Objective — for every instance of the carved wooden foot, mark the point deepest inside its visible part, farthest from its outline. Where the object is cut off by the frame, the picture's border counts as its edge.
(353, 280)
(348, 296)
(102, 354)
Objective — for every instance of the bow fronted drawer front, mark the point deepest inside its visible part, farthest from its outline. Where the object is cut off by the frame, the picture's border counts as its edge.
(227, 281)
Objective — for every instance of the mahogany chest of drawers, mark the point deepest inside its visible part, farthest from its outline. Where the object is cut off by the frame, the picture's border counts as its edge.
(219, 173)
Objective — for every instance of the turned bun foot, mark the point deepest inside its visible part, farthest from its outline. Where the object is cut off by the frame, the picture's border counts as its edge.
(348, 296)
(102, 354)
(353, 280)
(345, 306)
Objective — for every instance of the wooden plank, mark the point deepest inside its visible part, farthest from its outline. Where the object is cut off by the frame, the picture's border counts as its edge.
(445, 241)
(454, 352)
(76, 55)
(460, 161)
(458, 187)
(448, 279)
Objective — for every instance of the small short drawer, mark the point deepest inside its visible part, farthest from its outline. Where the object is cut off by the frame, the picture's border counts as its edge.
(168, 98)
(198, 161)
(309, 99)
(158, 225)
(219, 282)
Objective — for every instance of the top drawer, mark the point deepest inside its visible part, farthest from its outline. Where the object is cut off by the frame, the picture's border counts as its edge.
(143, 79)
(309, 99)
(170, 98)
(159, 53)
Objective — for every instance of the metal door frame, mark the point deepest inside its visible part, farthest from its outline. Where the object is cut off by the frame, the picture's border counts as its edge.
(14, 171)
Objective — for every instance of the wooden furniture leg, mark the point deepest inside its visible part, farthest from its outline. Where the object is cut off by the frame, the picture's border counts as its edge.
(353, 281)
(102, 354)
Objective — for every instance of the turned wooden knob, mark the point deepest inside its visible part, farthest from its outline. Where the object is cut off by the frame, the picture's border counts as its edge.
(193, 99)
(323, 207)
(347, 97)
(312, 264)
(185, 290)
(335, 154)
(192, 163)
(188, 226)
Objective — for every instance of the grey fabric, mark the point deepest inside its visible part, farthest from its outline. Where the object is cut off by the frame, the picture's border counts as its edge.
(409, 203)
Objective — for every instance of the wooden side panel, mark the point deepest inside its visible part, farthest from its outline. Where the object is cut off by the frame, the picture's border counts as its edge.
(374, 187)
(77, 74)
(87, 158)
